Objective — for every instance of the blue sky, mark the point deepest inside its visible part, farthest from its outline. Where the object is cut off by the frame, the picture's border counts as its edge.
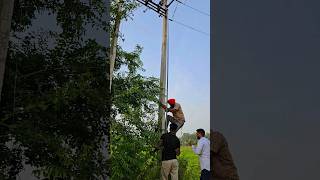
(189, 56)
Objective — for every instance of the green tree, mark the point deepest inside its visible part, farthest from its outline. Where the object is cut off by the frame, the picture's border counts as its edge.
(188, 139)
(133, 129)
(134, 100)
(54, 101)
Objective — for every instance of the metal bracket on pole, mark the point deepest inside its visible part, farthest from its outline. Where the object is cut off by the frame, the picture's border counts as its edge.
(156, 7)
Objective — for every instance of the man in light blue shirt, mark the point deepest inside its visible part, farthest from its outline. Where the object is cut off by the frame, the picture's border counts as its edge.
(203, 150)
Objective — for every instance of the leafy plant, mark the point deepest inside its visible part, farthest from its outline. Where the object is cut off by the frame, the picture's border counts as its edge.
(54, 106)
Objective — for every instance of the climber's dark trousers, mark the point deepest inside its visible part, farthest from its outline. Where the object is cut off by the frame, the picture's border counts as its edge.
(205, 175)
(175, 121)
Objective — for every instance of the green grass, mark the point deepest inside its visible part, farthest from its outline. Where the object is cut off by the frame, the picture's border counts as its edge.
(189, 167)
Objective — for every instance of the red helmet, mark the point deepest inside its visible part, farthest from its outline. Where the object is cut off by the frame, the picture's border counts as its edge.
(171, 101)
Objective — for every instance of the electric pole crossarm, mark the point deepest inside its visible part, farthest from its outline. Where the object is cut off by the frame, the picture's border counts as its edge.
(154, 6)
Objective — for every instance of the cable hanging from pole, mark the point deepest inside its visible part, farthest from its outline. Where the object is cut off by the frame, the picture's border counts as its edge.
(175, 9)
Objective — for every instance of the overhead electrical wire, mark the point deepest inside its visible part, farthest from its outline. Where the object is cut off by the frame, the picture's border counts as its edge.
(195, 9)
(188, 26)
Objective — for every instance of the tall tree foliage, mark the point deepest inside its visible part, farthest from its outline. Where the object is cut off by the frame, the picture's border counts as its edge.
(55, 105)
(54, 108)
(120, 9)
(133, 129)
(135, 106)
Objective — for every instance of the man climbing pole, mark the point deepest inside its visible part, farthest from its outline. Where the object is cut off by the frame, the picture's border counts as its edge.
(176, 110)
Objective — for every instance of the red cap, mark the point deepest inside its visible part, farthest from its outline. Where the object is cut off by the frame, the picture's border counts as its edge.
(171, 101)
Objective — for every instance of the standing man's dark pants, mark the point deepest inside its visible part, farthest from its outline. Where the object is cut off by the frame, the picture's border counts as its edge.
(205, 175)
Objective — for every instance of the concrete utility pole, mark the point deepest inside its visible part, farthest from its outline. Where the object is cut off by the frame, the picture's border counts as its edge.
(162, 9)
(6, 11)
(163, 69)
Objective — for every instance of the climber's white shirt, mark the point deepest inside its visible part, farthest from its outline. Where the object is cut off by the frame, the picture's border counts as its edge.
(203, 150)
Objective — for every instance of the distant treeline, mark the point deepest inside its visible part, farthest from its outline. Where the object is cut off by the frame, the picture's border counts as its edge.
(188, 139)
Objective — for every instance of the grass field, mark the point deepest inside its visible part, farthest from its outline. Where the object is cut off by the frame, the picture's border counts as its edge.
(189, 166)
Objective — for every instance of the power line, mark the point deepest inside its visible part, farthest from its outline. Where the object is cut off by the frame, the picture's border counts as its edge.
(163, 12)
(202, 12)
(187, 26)
(190, 27)
(175, 9)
